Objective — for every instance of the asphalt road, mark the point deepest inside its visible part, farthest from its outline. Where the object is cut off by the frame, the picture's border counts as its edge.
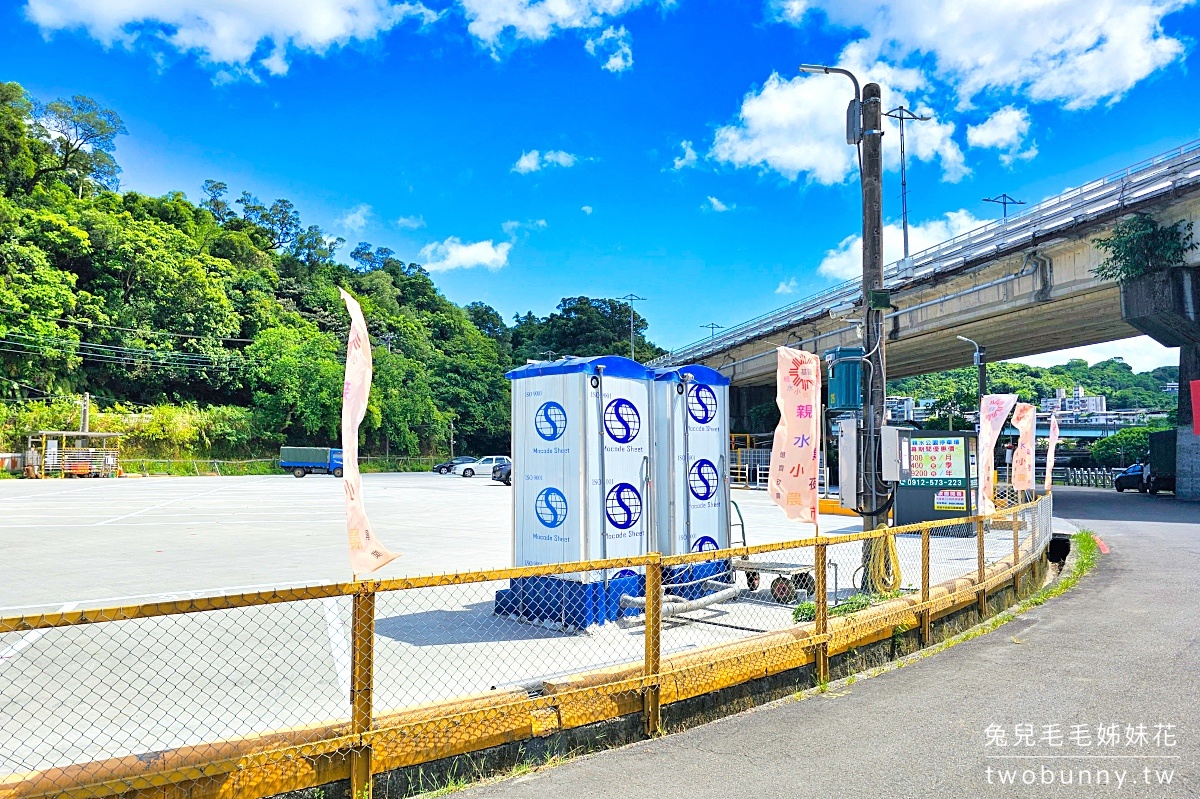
(1122, 648)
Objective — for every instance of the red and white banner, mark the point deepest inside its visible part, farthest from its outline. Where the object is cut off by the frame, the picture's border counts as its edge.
(367, 553)
(794, 458)
(1050, 452)
(1194, 385)
(993, 410)
(1024, 419)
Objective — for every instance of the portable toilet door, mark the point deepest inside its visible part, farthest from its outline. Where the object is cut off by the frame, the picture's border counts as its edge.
(691, 412)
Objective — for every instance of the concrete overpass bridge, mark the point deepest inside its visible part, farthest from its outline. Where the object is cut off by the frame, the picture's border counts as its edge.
(1019, 286)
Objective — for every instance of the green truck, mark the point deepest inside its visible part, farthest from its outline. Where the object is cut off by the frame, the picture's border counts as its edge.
(1161, 463)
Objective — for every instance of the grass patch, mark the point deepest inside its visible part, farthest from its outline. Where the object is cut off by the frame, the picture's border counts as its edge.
(807, 611)
(455, 782)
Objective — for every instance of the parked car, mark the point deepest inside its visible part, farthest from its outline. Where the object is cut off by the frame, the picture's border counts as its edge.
(448, 466)
(502, 473)
(1130, 478)
(481, 467)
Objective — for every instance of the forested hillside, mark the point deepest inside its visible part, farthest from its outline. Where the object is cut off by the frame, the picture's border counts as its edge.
(229, 308)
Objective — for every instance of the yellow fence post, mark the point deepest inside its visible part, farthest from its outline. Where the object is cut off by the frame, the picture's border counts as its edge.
(1016, 531)
(651, 694)
(981, 597)
(362, 658)
(822, 616)
(925, 614)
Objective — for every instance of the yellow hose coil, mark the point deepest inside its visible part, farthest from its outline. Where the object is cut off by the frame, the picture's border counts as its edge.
(883, 568)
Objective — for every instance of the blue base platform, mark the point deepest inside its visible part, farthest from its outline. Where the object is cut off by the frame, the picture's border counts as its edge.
(569, 603)
(688, 581)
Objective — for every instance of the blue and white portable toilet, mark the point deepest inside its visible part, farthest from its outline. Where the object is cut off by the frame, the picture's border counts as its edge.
(691, 475)
(570, 501)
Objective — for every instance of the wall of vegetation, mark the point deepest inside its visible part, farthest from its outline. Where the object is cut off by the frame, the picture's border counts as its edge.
(216, 328)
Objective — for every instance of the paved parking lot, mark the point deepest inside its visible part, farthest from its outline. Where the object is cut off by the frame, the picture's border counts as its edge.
(76, 694)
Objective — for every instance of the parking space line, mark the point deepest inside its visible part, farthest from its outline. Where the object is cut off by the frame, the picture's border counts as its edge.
(8, 654)
(339, 645)
(161, 505)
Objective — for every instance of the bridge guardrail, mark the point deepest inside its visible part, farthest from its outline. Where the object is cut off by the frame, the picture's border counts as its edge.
(1162, 173)
(255, 694)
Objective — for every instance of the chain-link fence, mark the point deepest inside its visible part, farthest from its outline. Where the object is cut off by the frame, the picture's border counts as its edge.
(257, 694)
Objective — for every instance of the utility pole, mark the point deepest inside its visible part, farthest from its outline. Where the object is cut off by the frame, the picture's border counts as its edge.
(712, 327)
(875, 304)
(84, 421)
(631, 299)
(1005, 201)
(451, 438)
(901, 113)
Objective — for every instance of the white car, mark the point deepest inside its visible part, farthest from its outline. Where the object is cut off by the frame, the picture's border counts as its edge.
(481, 467)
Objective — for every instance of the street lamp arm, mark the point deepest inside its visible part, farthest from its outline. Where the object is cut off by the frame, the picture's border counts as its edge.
(821, 68)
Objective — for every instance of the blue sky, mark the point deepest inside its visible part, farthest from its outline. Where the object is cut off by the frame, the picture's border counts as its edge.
(415, 126)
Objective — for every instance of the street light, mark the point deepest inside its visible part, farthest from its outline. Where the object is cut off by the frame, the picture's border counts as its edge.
(631, 299)
(981, 365)
(864, 131)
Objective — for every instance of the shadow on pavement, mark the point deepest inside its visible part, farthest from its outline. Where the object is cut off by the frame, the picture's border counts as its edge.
(1107, 505)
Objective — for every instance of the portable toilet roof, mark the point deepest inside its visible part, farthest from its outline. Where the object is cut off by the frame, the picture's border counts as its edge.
(614, 366)
(699, 373)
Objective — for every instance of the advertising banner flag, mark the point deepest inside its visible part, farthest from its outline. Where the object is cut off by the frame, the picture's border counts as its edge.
(1024, 419)
(1194, 385)
(367, 553)
(794, 458)
(993, 410)
(1050, 452)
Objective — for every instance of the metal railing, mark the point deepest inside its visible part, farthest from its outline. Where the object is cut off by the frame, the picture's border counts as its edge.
(256, 694)
(1139, 182)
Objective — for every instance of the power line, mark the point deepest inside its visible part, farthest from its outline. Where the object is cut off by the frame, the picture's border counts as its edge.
(89, 323)
(26, 349)
(110, 349)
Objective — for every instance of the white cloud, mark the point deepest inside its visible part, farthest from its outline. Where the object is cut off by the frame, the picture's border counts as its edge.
(845, 261)
(236, 34)
(528, 162)
(790, 126)
(558, 158)
(787, 286)
(614, 43)
(792, 11)
(689, 155)
(538, 20)
(410, 222)
(798, 126)
(356, 218)
(587, 209)
(512, 226)
(1067, 51)
(1006, 130)
(534, 160)
(713, 204)
(1141, 352)
(453, 253)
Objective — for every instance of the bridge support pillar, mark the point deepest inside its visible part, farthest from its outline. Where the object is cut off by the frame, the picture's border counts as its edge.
(1187, 445)
(1165, 305)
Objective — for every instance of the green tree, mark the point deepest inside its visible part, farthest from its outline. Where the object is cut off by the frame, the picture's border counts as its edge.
(1139, 245)
(80, 138)
(18, 155)
(1123, 448)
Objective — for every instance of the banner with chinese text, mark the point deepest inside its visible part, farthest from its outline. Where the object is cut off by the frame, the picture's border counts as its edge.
(1024, 419)
(1050, 451)
(993, 410)
(367, 553)
(794, 454)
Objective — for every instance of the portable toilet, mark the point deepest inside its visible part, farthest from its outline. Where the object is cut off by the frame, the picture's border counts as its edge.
(581, 432)
(691, 472)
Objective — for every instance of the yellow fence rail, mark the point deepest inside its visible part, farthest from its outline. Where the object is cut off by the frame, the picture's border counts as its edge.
(258, 693)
